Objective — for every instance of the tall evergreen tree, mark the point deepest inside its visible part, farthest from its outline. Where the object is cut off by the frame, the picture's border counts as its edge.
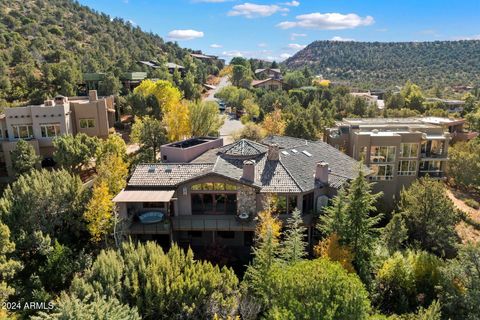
(293, 248)
(353, 219)
(24, 158)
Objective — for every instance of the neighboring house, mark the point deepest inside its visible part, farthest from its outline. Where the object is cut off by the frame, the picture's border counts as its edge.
(39, 125)
(268, 84)
(268, 73)
(215, 198)
(173, 66)
(131, 80)
(449, 105)
(397, 150)
(370, 98)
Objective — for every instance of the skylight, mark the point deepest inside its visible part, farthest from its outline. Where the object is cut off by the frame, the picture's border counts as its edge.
(295, 151)
(285, 153)
(308, 154)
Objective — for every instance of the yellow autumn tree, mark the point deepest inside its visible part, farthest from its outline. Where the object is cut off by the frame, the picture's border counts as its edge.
(168, 96)
(331, 248)
(177, 122)
(273, 123)
(99, 213)
(113, 171)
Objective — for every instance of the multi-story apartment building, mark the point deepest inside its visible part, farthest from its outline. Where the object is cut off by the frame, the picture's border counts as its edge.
(207, 193)
(40, 124)
(397, 150)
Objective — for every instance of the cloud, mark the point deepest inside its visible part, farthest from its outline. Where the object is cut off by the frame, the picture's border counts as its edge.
(291, 4)
(187, 34)
(284, 56)
(262, 45)
(472, 37)
(337, 38)
(251, 10)
(215, 46)
(296, 46)
(211, 1)
(294, 36)
(232, 54)
(382, 30)
(327, 21)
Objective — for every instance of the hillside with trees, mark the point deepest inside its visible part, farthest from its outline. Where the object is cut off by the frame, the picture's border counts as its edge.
(47, 45)
(385, 65)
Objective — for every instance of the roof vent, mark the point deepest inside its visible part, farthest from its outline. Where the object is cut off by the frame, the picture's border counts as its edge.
(308, 154)
(151, 169)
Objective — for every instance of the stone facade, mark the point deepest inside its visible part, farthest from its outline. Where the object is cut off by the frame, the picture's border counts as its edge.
(246, 200)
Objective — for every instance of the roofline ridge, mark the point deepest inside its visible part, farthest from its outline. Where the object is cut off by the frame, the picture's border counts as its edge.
(291, 176)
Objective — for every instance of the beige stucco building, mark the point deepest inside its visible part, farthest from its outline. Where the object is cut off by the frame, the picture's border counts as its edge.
(40, 124)
(397, 150)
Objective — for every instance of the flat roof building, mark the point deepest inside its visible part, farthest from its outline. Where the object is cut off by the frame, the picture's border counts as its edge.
(40, 124)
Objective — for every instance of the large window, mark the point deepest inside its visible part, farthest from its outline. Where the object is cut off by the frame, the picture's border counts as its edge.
(382, 172)
(430, 166)
(22, 131)
(87, 123)
(433, 148)
(407, 168)
(214, 186)
(308, 201)
(382, 154)
(51, 130)
(283, 204)
(409, 150)
(214, 203)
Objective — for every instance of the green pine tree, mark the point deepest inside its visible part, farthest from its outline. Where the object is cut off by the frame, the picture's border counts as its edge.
(293, 247)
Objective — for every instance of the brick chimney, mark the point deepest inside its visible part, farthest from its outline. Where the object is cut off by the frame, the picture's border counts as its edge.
(249, 170)
(273, 152)
(92, 95)
(321, 172)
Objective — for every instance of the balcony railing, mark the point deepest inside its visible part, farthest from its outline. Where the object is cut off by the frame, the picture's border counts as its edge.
(433, 155)
(432, 174)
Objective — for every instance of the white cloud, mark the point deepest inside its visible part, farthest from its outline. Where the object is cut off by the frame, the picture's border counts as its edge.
(262, 45)
(337, 38)
(328, 21)
(215, 46)
(294, 36)
(291, 4)
(472, 37)
(133, 23)
(212, 1)
(187, 34)
(284, 56)
(252, 10)
(232, 54)
(296, 46)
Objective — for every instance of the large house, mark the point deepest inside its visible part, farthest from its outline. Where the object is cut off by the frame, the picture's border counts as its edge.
(397, 150)
(268, 73)
(268, 84)
(40, 124)
(205, 193)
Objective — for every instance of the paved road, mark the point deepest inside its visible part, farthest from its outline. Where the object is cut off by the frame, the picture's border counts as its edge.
(223, 83)
(231, 124)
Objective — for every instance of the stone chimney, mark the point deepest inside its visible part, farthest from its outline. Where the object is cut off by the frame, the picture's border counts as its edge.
(48, 103)
(273, 152)
(92, 95)
(249, 170)
(321, 172)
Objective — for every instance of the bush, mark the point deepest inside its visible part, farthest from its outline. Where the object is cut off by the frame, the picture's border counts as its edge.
(472, 203)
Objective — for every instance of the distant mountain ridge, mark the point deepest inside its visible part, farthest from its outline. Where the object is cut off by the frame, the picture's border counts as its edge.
(387, 64)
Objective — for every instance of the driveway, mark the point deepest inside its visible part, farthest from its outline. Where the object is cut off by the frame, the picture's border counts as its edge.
(230, 126)
(211, 94)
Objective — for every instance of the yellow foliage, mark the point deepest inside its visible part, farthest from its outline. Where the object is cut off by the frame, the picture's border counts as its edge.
(268, 224)
(99, 212)
(168, 96)
(273, 123)
(177, 122)
(331, 248)
(227, 71)
(113, 171)
(321, 83)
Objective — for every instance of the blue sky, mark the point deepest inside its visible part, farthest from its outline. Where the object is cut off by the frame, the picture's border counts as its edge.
(274, 30)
